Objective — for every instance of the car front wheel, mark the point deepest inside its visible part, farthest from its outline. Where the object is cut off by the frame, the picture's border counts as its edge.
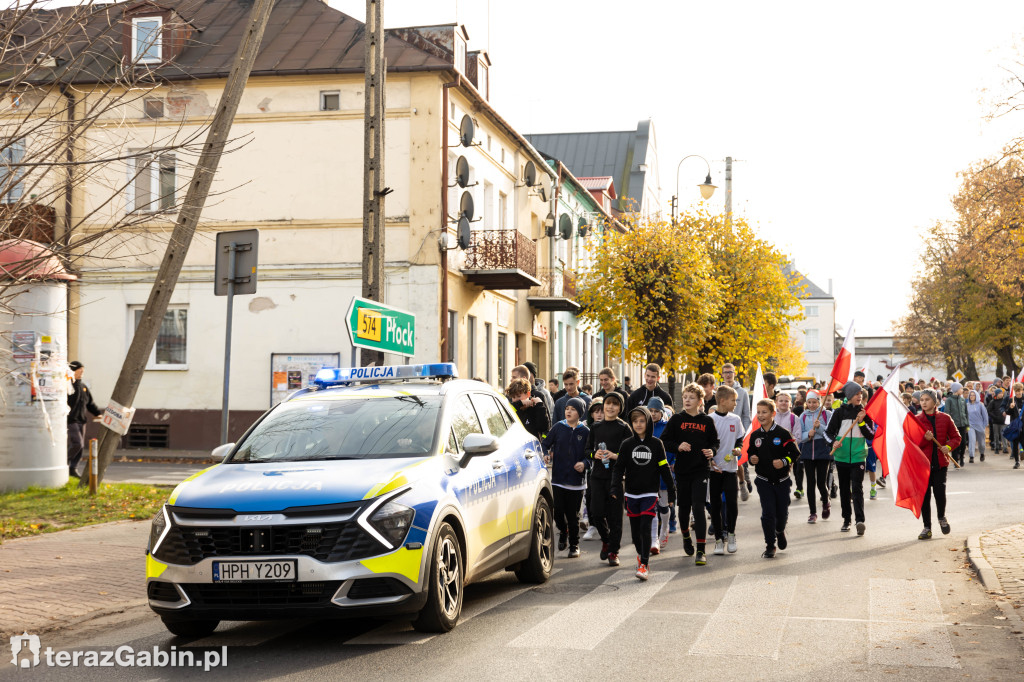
(537, 567)
(444, 597)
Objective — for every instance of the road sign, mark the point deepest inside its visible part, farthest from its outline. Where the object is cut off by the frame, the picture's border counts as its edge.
(244, 246)
(959, 376)
(381, 327)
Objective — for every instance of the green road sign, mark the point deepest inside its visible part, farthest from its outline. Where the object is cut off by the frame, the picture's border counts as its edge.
(381, 327)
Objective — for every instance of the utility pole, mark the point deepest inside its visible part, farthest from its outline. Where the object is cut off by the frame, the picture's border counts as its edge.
(373, 164)
(185, 227)
(728, 191)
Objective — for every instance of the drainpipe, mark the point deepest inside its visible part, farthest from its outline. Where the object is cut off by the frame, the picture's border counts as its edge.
(552, 327)
(65, 238)
(443, 240)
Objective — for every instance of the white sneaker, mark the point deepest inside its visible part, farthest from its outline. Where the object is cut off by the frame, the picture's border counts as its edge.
(719, 547)
(732, 542)
(744, 494)
(591, 533)
(664, 539)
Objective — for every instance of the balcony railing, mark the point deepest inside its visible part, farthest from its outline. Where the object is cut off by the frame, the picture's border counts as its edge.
(501, 259)
(557, 291)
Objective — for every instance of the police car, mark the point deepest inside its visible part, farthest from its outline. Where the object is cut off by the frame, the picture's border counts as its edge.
(378, 491)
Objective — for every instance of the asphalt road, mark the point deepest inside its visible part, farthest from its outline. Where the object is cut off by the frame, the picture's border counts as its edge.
(153, 473)
(832, 606)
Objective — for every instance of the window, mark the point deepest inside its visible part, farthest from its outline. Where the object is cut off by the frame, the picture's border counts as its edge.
(502, 211)
(471, 344)
(453, 111)
(464, 422)
(481, 76)
(460, 54)
(503, 155)
(502, 351)
(146, 42)
(488, 338)
(330, 100)
(11, 177)
(811, 341)
(490, 414)
(488, 143)
(152, 182)
(153, 107)
(811, 311)
(453, 337)
(171, 348)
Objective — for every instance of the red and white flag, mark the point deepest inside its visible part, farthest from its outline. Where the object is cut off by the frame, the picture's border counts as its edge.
(842, 371)
(757, 394)
(897, 439)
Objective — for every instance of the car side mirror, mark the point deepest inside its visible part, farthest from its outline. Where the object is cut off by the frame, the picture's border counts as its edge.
(477, 444)
(221, 452)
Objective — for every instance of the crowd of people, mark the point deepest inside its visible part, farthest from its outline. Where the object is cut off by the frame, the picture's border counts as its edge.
(672, 468)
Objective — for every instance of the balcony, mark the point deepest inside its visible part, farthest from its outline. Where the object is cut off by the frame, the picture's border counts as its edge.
(557, 291)
(501, 259)
(28, 221)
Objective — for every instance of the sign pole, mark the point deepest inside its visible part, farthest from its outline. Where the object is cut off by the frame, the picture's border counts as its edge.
(94, 461)
(232, 262)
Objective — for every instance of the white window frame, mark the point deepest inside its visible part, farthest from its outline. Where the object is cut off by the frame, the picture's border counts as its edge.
(811, 311)
(151, 363)
(810, 347)
(156, 164)
(158, 43)
(502, 211)
(324, 94)
(13, 152)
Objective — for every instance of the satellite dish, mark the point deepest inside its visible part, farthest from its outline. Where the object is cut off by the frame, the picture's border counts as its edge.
(462, 172)
(565, 226)
(544, 187)
(582, 226)
(530, 174)
(467, 131)
(464, 233)
(466, 206)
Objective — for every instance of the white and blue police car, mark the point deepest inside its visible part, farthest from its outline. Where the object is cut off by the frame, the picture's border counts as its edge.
(378, 491)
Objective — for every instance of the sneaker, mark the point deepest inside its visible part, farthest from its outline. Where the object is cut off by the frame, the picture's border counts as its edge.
(663, 540)
(971, 460)
(638, 562)
(672, 526)
(845, 528)
(688, 545)
(591, 533)
(655, 550)
(750, 487)
(769, 552)
(604, 551)
(781, 536)
(562, 542)
(983, 457)
(826, 510)
(643, 572)
(813, 518)
(744, 493)
(719, 547)
(1016, 465)
(874, 493)
(701, 560)
(860, 528)
(944, 525)
(731, 544)
(574, 552)
(798, 493)
(926, 534)
(613, 558)
(881, 483)
(834, 493)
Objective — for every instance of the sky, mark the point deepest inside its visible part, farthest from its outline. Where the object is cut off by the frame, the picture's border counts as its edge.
(848, 123)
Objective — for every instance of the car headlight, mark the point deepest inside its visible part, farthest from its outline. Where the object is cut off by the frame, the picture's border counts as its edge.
(159, 529)
(393, 521)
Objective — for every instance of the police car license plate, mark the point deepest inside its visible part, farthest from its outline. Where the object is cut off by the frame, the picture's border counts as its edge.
(250, 571)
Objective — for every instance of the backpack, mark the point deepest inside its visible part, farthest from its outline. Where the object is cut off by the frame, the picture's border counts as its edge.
(1013, 430)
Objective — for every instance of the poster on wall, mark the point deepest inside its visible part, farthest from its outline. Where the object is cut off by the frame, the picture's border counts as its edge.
(290, 372)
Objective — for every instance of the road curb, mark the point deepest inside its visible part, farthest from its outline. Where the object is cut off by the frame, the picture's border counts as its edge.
(42, 628)
(984, 568)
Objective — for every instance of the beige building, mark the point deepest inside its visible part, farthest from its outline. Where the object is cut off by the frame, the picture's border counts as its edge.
(815, 331)
(294, 172)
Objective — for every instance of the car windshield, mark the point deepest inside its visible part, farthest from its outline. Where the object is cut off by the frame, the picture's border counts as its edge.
(351, 427)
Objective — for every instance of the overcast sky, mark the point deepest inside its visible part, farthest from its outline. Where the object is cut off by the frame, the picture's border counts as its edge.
(848, 123)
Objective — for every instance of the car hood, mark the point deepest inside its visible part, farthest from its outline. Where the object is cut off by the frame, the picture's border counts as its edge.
(269, 486)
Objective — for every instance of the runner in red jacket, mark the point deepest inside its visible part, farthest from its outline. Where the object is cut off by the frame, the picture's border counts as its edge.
(941, 438)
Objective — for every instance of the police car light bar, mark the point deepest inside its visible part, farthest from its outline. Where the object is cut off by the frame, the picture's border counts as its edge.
(330, 376)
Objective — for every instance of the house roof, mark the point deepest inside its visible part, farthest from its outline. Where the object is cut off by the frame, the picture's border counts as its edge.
(603, 183)
(810, 289)
(302, 37)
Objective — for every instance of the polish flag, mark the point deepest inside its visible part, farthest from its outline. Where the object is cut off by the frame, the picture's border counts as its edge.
(842, 371)
(897, 439)
(759, 393)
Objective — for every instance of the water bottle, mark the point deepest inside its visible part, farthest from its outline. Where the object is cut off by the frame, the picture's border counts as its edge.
(603, 446)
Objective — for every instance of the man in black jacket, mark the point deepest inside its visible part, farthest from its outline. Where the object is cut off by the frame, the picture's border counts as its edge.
(609, 384)
(79, 402)
(603, 445)
(641, 396)
(772, 451)
(538, 391)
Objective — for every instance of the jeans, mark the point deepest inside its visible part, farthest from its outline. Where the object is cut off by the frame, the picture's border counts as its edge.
(606, 513)
(817, 477)
(936, 484)
(718, 483)
(851, 489)
(567, 512)
(774, 507)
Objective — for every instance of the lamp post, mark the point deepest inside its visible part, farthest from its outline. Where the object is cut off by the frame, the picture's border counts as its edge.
(706, 188)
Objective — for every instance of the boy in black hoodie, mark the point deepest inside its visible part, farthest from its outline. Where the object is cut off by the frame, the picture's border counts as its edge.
(602, 451)
(530, 411)
(565, 448)
(692, 435)
(642, 461)
(772, 450)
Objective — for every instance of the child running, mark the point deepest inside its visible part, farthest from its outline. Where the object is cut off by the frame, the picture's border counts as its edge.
(815, 455)
(565, 446)
(772, 451)
(642, 462)
(723, 477)
(602, 449)
(692, 436)
(659, 536)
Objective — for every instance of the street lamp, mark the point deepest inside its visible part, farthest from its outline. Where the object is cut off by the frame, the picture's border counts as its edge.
(706, 188)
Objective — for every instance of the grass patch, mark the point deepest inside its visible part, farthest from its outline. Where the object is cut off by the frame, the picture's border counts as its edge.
(44, 510)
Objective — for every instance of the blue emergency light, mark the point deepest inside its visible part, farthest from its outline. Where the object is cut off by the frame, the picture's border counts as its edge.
(333, 376)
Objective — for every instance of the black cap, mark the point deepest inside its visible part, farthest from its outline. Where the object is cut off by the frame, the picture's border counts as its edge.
(858, 373)
(533, 369)
(75, 365)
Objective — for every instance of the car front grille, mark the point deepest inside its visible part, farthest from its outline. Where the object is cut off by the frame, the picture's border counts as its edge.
(375, 588)
(248, 595)
(328, 542)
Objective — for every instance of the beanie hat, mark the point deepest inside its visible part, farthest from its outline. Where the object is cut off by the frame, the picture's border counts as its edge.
(851, 389)
(916, 394)
(957, 386)
(533, 369)
(595, 404)
(812, 395)
(614, 396)
(578, 405)
(656, 403)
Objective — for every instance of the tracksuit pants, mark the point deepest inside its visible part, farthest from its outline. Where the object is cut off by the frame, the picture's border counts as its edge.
(76, 444)
(817, 478)
(692, 491)
(936, 485)
(567, 512)
(606, 513)
(851, 490)
(718, 483)
(774, 506)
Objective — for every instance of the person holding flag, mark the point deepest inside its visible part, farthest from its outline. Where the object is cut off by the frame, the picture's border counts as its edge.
(842, 370)
(847, 433)
(941, 438)
(815, 454)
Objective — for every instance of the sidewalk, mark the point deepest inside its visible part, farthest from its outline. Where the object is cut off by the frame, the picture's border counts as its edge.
(998, 557)
(163, 455)
(53, 580)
